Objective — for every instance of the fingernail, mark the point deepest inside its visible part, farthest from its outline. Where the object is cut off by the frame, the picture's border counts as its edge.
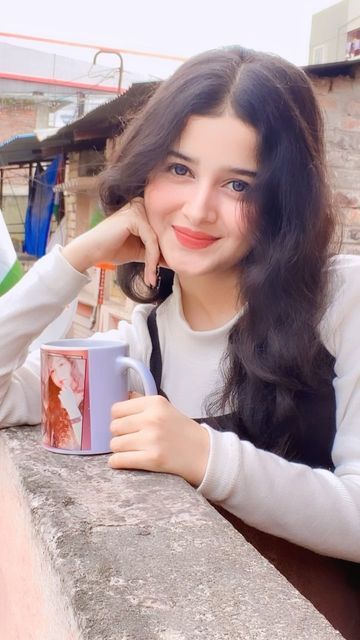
(153, 281)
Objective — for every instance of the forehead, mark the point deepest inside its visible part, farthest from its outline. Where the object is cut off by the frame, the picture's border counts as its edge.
(224, 138)
(54, 359)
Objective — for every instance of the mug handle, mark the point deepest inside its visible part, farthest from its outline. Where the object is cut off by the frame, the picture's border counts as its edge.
(125, 362)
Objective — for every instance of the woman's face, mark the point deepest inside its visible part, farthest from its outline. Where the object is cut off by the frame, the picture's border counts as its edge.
(60, 372)
(193, 201)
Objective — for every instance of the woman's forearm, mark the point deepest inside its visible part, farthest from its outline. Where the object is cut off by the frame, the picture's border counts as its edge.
(313, 508)
(25, 311)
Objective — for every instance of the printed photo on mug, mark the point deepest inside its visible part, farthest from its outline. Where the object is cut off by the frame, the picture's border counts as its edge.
(64, 382)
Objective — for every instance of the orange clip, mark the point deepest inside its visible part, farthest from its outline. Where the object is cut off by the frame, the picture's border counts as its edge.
(107, 266)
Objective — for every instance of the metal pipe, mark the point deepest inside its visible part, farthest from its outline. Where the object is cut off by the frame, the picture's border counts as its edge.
(121, 66)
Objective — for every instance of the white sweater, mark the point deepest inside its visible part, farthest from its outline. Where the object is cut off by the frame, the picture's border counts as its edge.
(313, 508)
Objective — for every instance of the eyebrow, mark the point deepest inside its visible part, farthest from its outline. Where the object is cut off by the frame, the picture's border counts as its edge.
(237, 170)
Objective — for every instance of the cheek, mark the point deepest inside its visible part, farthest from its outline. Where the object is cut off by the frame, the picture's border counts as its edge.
(235, 218)
(158, 200)
(67, 370)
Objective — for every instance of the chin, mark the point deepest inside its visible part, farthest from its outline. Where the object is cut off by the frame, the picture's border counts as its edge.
(191, 271)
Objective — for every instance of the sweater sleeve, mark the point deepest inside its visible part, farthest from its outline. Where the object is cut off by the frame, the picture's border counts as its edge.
(25, 311)
(313, 508)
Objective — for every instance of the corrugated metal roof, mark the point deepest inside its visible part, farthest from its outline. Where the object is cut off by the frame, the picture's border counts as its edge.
(19, 136)
(332, 69)
(90, 131)
(111, 112)
(20, 148)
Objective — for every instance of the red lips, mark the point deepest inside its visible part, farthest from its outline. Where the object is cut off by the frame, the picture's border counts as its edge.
(193, 239)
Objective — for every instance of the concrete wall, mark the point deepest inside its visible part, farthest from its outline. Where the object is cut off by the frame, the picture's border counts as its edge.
(354, 14)
(329, 30)
(26, 62)
(326, 32)
(88, 553)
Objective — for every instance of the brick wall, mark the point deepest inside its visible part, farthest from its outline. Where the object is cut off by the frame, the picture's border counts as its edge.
(340, 100)
(72, 172)
(15, 118)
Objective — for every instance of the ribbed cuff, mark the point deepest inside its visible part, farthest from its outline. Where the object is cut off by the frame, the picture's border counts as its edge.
(223, 465)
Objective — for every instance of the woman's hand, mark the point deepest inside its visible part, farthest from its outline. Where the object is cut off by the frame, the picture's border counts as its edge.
(149, 433)
(125, 236)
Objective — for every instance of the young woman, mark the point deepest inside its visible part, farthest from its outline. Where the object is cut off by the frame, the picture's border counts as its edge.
(251, 330)
(64, 397)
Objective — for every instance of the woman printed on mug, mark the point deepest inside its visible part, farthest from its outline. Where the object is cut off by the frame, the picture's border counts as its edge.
(252, 331)
(63, 399)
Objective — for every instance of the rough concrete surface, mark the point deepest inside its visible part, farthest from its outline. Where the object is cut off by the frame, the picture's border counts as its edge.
(140, 556)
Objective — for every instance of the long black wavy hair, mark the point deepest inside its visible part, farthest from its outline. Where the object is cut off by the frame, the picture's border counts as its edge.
(274, 349)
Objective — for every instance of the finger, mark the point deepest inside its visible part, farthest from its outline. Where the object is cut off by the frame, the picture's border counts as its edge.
(152, 257)
(152, 251)
(141, 235)
(127, 442)
(129, 424)
(130, 460)
(130, 407)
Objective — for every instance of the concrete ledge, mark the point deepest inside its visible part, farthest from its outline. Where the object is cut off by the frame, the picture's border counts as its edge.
(87, 553)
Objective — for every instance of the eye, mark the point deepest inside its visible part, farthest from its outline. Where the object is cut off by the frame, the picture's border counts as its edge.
(238, 185)
(178, 169)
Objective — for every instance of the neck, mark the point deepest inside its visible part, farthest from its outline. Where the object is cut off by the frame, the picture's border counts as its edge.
(209, 301)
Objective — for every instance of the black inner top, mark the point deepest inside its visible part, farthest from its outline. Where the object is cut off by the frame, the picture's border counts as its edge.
(308, 440)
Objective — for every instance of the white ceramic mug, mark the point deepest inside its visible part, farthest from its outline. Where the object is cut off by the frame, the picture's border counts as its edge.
(80, 381)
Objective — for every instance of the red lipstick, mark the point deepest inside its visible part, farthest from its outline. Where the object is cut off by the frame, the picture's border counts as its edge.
(193, 239)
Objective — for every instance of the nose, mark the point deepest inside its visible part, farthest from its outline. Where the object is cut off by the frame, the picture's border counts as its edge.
(200, 204)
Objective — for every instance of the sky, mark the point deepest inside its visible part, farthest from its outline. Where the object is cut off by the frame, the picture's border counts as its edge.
(181, 28)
